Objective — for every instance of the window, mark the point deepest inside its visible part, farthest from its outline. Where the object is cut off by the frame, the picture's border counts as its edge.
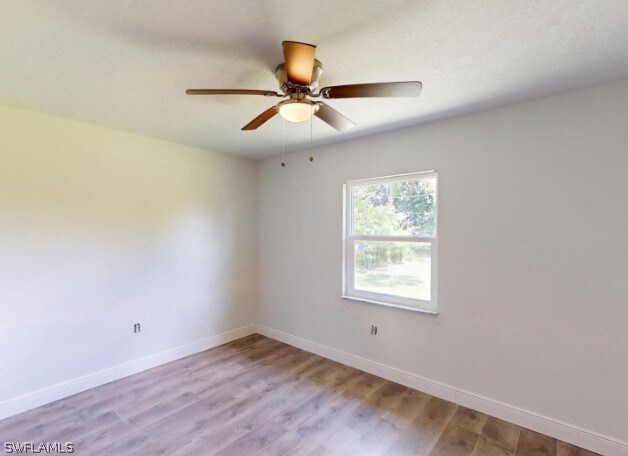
(390, 241)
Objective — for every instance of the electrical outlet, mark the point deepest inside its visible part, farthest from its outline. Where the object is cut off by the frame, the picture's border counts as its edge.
(373, 330)
(137, 328)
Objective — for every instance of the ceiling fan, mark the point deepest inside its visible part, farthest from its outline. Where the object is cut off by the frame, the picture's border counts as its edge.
(298, 79)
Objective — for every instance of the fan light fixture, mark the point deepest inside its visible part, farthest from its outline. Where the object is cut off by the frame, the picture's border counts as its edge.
(298, 77)
(297, 110)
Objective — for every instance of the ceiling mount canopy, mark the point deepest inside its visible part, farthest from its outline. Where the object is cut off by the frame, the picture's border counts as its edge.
(298, 77)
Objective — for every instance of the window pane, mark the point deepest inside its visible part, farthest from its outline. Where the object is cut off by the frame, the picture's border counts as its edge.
(394, 268)
(398, 208)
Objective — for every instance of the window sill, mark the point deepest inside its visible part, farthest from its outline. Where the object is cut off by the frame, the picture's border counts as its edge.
(387, 304)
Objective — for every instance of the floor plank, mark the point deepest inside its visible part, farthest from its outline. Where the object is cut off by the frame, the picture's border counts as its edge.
(532, 443)
(258, 396)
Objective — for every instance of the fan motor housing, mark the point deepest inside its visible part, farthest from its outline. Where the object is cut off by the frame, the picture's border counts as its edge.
(289, 87)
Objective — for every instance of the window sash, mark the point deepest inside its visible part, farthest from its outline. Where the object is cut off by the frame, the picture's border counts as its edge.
(349, 208)
(377, 237)
(390, 299)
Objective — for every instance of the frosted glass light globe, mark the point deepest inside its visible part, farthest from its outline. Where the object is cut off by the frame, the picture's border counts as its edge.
(297, 110)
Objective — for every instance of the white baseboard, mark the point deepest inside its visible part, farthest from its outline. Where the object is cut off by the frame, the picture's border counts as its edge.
(61, 390)
(575, 435)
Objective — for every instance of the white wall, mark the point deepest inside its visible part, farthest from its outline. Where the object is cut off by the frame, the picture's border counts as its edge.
(100, 229)
(533, 261)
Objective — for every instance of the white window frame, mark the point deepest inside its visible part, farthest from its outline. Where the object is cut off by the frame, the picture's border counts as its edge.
(349, 239)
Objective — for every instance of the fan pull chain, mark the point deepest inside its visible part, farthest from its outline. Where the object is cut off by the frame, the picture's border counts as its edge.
(311, 156)
(283, 142)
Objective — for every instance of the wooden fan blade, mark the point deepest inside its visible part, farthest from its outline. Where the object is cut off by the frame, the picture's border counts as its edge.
(299, 59)
(332, 117)
(261, 119)
(381, 89)
(266, 93)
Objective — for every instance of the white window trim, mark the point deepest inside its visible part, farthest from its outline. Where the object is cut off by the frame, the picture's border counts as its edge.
(417, 305)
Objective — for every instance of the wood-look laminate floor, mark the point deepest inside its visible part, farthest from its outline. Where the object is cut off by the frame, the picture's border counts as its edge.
(257, 396)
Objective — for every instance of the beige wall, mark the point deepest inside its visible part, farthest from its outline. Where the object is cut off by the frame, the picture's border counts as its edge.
(100, 229)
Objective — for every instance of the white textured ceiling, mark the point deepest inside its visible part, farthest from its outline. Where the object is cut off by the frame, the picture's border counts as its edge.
(126, 64)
